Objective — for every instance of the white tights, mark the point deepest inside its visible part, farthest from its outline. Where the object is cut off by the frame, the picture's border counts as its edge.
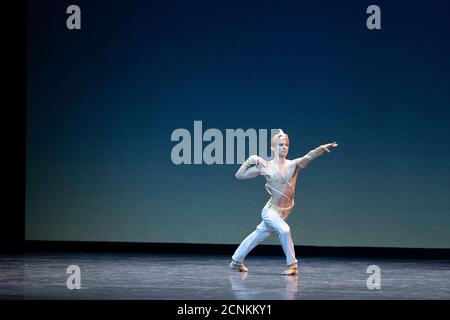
(271, 222)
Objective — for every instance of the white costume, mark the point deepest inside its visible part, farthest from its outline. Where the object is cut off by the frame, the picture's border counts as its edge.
(273, 216)
(273, 220)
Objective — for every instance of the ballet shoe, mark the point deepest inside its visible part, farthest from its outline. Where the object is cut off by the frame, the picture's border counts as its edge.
(292, 270)
(238, 266)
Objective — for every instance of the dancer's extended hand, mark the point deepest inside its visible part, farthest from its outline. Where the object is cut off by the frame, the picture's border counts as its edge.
(326, 147)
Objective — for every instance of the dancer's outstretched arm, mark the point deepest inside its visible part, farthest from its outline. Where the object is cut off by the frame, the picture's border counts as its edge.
(310, 156)
(251, 167)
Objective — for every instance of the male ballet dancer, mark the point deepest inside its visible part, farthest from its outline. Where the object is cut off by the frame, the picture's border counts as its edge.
(281, 175)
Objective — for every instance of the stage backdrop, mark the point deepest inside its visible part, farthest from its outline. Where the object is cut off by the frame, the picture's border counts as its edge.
(103, 102)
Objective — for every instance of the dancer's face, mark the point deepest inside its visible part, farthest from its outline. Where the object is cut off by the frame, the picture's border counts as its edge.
(282, 148)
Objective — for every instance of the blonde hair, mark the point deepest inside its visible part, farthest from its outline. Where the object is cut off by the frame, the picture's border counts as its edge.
(277, 137)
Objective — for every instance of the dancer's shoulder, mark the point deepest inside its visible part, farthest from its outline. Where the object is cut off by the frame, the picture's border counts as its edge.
(267, 170)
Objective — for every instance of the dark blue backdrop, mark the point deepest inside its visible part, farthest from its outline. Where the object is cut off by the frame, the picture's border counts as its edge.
(104, 100)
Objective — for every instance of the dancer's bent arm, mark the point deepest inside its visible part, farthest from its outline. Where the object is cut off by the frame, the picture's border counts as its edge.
(251, 167)
(313, 154)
